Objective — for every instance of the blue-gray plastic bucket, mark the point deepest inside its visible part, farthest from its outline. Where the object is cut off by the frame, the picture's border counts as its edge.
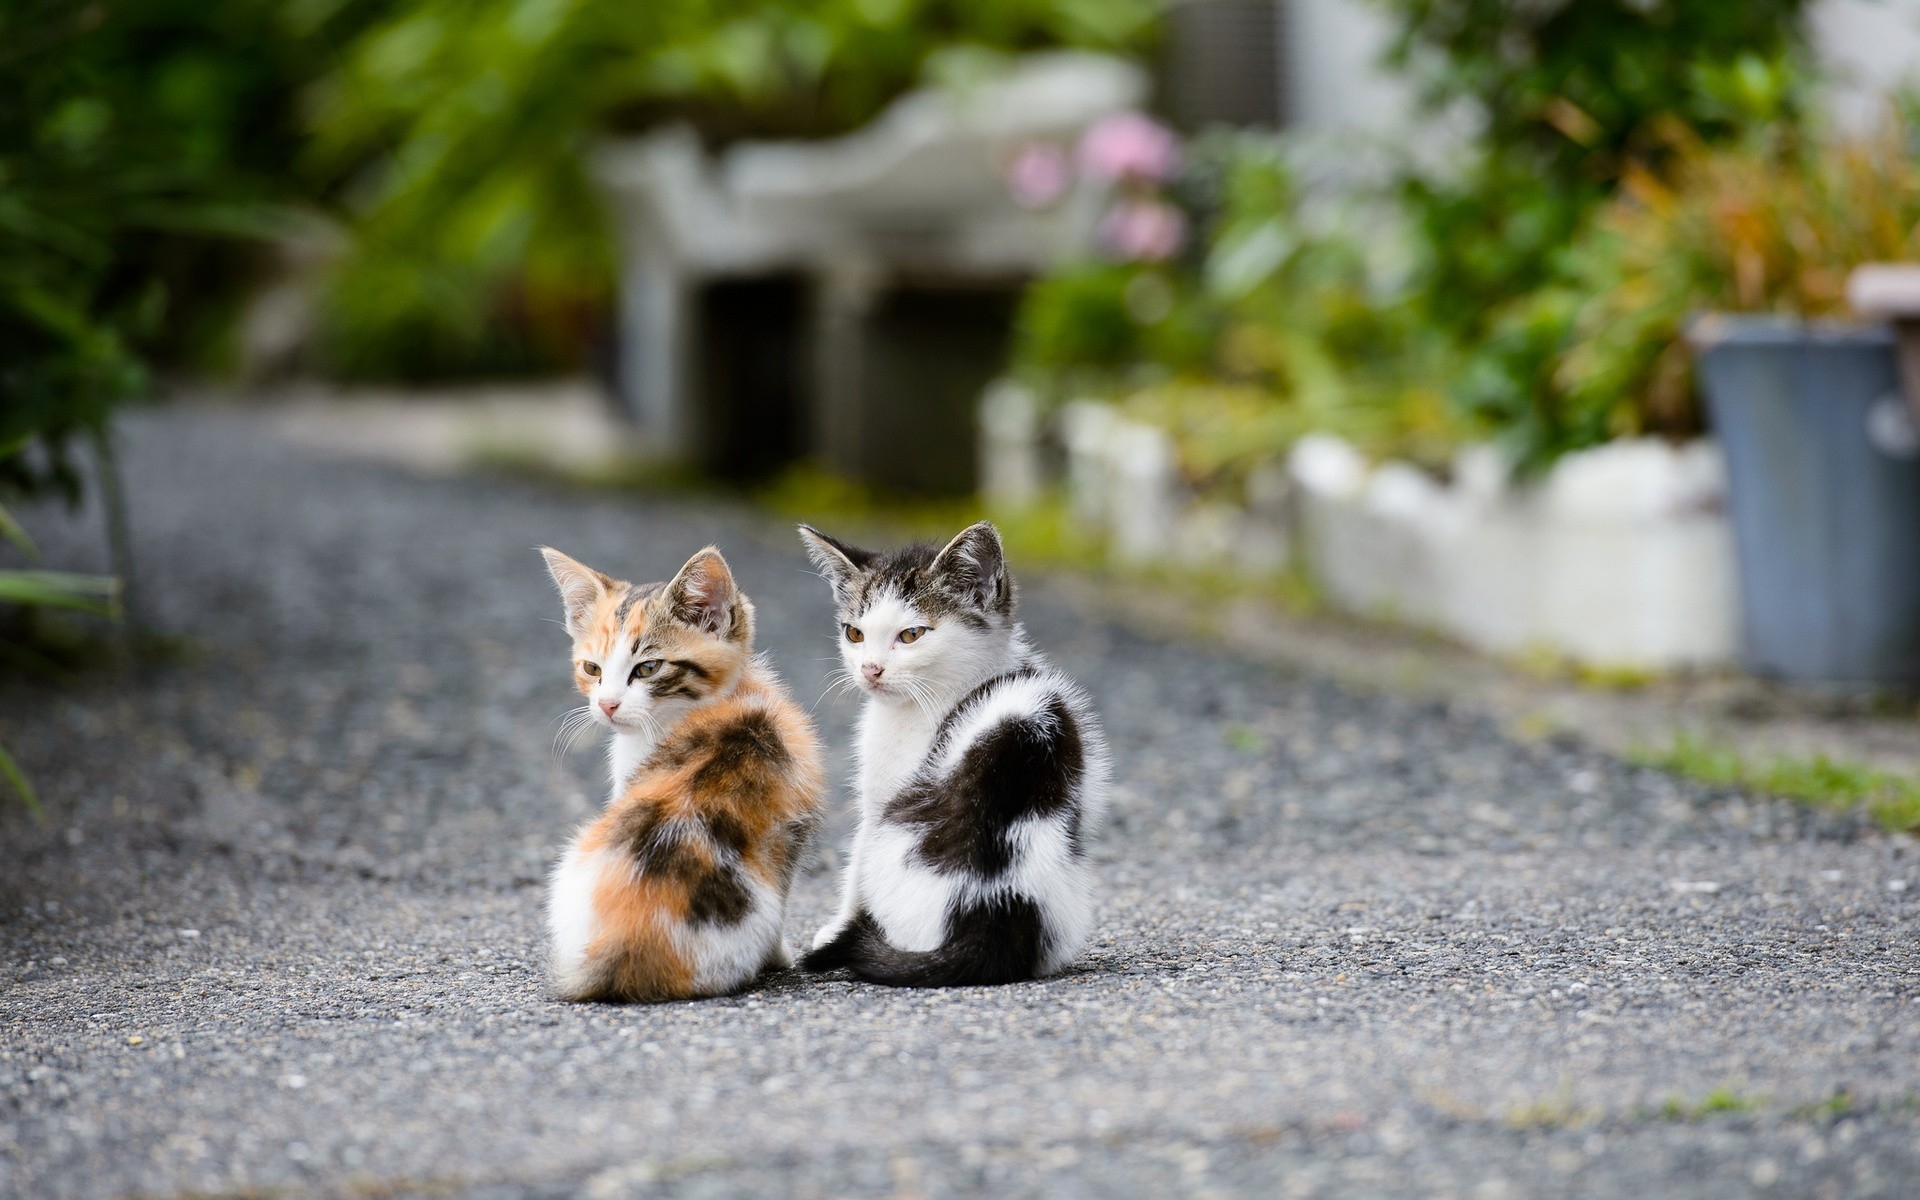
(1824, 479)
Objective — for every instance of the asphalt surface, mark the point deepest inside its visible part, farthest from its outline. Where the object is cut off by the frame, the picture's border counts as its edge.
(281, 932)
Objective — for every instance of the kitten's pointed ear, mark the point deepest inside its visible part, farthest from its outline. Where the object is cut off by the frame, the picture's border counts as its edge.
(973, 568)
(581, 587)
(839, 563)
(704, 596)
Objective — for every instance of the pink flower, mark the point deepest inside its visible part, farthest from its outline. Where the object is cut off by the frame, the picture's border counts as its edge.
(1130, 145)
(1143, 230)
(1038, 175)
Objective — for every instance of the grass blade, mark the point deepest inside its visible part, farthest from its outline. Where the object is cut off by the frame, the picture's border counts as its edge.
(12, 531)
(60, 589)
(11, 772)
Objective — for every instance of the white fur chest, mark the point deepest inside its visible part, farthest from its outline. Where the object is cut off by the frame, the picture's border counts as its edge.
(625, 752)
(894, 740)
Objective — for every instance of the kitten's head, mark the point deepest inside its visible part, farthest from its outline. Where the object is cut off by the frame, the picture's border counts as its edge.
(918, 623)
(646, 653)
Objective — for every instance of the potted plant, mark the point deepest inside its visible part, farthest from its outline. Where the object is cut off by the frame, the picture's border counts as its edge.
(1804, 397)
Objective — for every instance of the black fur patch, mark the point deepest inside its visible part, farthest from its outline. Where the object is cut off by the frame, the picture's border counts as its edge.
(715, 893)
(743, 753)
(1022, 768)
(841, 951)
(999, 940)
(796, 834)
(727, 832)
(644, 835)
(719, 898)
(678, 679)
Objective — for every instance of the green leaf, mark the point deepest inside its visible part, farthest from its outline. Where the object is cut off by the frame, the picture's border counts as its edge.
(11, 772)
(10, 530)
(60, 589)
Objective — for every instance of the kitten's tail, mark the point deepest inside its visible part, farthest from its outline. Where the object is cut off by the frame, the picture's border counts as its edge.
(996, 941)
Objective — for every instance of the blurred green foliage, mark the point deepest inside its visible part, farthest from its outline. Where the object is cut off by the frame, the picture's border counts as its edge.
(1489, 318)
(1568, 97)
(142, 143)
(147, 145)
(1284, 322)
(1772, 222)
(1892, 800)
(464, 127)
(1546, 371)
(26, 589)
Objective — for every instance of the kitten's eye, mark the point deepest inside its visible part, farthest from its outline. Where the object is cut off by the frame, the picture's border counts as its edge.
(854, 635)
(645, 670)
(591, 668)
(910, 636)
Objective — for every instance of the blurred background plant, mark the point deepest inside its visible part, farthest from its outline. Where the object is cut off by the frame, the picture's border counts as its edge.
(460, 131)
(1567, 99)
(148, 147)
(144, 150)
(28, 592)
(143, 145)
(1593, 351)
(1770, 224)
(1283, 318)
(1475, 299)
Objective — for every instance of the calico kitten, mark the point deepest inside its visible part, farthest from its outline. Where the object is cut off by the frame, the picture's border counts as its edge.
(679, 889)
(982, 771)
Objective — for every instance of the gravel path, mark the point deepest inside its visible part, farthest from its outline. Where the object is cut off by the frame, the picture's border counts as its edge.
(281, 934)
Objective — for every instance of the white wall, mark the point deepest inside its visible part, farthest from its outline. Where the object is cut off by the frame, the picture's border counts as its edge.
(1866, 49)
(1334, 80)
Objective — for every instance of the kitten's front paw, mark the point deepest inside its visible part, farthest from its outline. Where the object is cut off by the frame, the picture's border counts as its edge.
(828, 932)
(781, 959)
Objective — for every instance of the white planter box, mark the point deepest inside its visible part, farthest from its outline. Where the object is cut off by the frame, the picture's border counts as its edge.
(1123, 480)
(1620, 557)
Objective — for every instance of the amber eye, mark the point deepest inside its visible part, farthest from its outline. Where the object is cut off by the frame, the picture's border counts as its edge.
(591, 668)
(645, 670)
(910, 636)
(854, 635)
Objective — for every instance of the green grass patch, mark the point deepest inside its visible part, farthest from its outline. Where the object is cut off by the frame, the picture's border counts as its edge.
(1833, 1107)
(1719, 1100)
(1558, 1111)
(1249, 741)
(1892, 800)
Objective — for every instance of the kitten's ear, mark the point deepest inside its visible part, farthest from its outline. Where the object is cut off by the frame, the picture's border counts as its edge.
(581, 587)
(839, 563)
(704, 596)
(973, 567)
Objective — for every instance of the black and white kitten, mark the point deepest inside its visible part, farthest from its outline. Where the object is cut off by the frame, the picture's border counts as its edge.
(982, 772)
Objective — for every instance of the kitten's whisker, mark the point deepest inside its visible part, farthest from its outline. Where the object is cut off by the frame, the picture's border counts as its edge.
(575, 725)
(841, 679)
(920, 692)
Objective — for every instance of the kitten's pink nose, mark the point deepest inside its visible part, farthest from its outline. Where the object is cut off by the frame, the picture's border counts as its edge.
(873, 672)
(609, 706)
